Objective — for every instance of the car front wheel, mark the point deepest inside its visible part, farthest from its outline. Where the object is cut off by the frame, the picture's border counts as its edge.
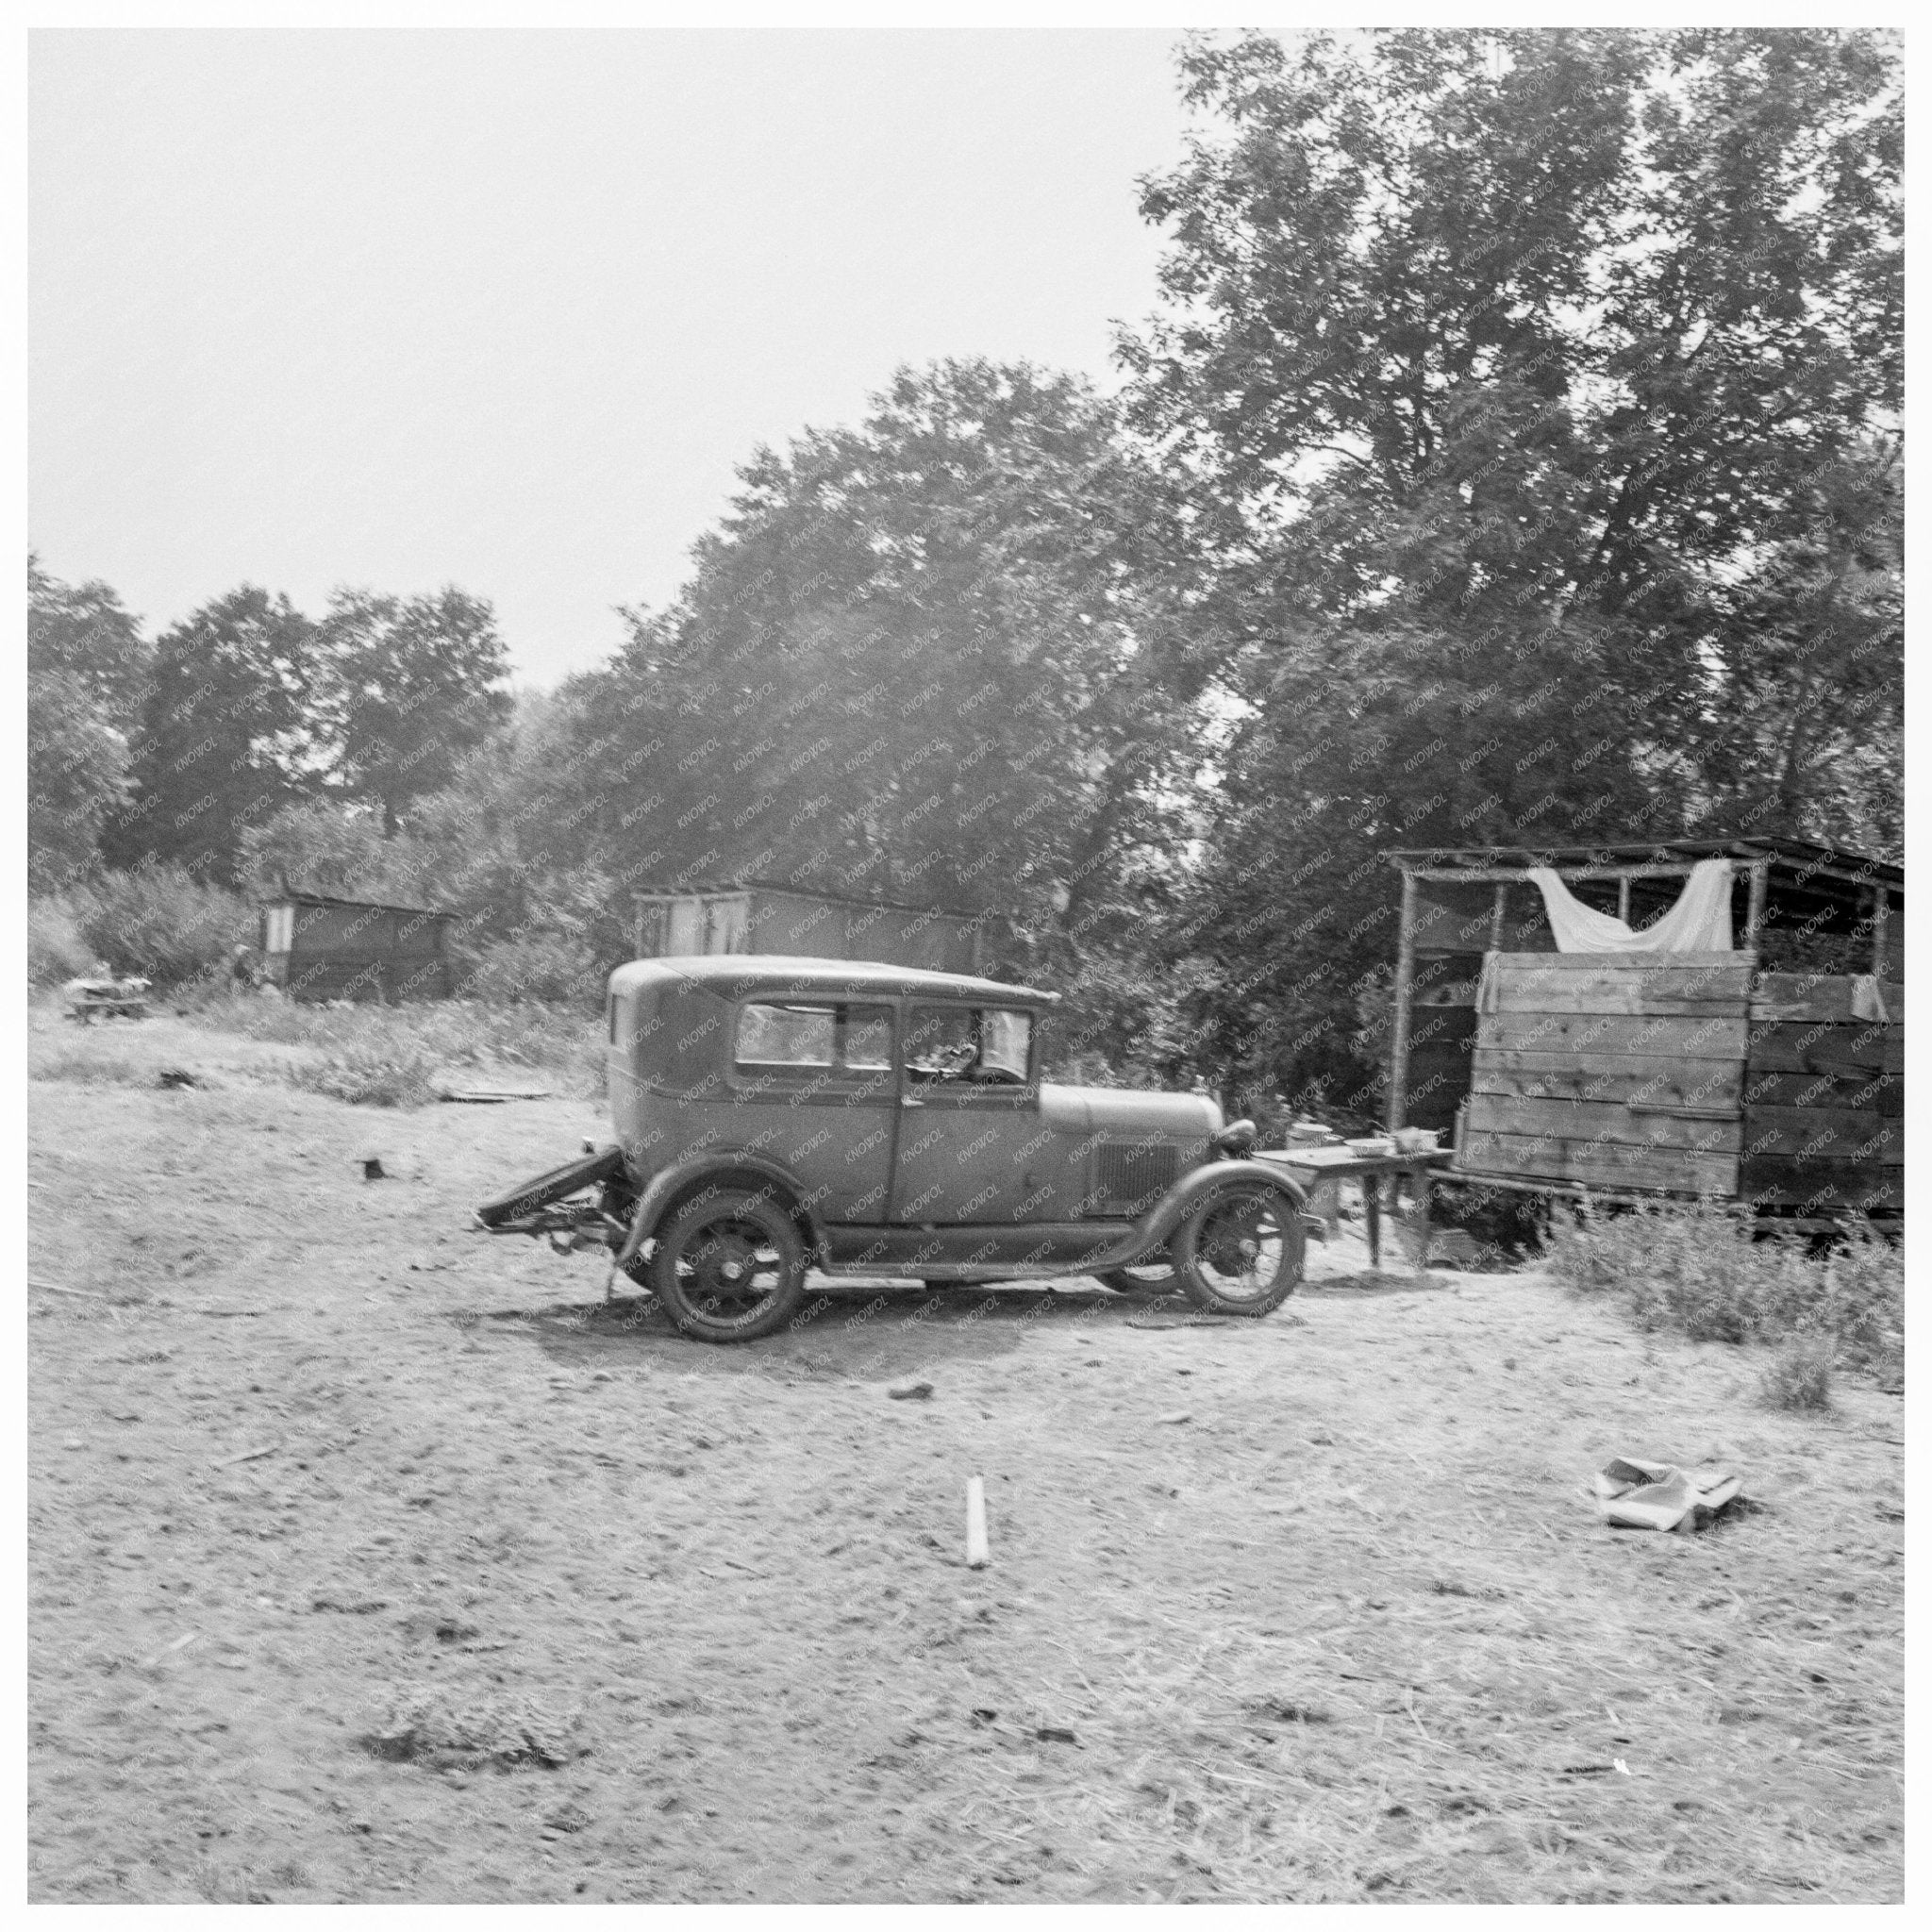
(730, 1267)
(1240, 1252)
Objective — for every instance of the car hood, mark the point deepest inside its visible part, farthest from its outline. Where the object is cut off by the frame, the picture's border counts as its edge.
(1127, 1110)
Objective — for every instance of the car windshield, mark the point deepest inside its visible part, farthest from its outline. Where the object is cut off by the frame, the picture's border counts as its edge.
(978, 1044)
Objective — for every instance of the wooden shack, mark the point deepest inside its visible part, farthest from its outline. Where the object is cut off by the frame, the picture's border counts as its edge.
(317, 948)
(1771, 1074)
(756, 917)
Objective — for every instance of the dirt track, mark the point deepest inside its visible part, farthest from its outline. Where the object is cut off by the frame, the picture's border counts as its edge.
(1312, 1608)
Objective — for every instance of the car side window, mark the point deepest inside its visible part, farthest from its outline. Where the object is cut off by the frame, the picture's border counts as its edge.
(978, 1045)
(797, 1036)
(867, 1046)
(786, 1035)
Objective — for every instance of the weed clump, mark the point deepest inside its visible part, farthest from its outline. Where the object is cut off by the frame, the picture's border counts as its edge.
(368, 1076)
(435, 1727)
(1712, 1275)
(1799, 1375)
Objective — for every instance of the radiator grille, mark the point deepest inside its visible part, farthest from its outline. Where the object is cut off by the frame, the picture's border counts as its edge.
(1133, 1175)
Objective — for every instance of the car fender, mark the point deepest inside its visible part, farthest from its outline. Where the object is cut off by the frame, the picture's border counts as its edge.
(1186, 1193)
(720, 1163)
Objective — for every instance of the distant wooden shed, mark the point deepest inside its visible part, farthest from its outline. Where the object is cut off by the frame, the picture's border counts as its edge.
(319, 948)
(1771, 1074)
(758, 917)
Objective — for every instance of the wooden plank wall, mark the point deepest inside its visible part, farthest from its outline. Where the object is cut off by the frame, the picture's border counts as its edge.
(1615, 1070)
(364, 952)
(1824, 1095)
(1454, 927)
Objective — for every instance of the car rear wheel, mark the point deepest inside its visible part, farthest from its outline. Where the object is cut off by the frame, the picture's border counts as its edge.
(1240, 1251)
(730, 1267)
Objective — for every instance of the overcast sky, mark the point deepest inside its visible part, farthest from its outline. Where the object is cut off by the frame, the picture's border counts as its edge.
(506, 309)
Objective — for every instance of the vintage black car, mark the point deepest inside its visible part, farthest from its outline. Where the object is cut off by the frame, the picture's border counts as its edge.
(776, 1114)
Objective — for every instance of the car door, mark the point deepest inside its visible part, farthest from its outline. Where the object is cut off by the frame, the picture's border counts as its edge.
(812, 1087)
(969, 1117)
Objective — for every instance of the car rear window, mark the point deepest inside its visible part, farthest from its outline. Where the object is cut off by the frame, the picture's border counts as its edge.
(801, 1034)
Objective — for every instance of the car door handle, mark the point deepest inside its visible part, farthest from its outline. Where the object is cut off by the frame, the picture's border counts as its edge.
(907, 1100)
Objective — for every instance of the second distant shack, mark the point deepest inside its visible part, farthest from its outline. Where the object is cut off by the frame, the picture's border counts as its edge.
(317, 948)
(756, 917)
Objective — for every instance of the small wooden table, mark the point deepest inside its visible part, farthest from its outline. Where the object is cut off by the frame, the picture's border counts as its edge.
(1313, 1165)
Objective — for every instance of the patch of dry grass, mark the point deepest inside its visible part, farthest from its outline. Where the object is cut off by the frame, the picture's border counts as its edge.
(1709, 1274)
(89, 1065)
(377, 1055)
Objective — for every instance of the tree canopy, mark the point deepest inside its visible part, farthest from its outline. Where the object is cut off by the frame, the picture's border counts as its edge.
(1539, 396)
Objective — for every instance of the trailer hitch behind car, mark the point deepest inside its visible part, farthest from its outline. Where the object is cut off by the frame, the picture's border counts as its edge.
(568, 1226)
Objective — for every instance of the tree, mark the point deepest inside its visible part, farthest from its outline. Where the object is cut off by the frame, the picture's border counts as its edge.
(930, 660)
(228, 735)
(85, 663)
(1515, 379)
(328, 845)
(82, 631)
(412, 684)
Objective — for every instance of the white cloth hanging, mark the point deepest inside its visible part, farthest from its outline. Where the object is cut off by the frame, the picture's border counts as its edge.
(1700, 922)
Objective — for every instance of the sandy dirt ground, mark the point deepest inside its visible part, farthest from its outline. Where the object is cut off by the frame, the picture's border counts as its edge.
(1314, 1607)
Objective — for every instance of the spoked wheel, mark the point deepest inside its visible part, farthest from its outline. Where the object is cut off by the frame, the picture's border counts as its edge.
(1240, 1251)
(730, 1267)
(1155, 1275)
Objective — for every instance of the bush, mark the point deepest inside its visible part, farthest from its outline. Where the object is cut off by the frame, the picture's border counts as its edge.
(158, 921)
(1799, 1375)
(548, 968)
(371, 1076)
(55, 949)
(1717, 1277)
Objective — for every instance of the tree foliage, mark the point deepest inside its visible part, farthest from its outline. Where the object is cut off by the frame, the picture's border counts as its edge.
(929, 660)
(408, 686)
(86, 661)
(1537, 393)
(227, 735)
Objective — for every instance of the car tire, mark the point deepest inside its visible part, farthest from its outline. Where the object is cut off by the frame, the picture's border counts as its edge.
(1155, 1275)
(584, 1172)
(730, 1267)
(1240, 1251)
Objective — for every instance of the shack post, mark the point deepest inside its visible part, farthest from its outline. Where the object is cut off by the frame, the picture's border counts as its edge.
(1405, 980)
(1754, 916)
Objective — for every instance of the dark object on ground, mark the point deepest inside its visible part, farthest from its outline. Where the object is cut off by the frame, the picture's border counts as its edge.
(373, 1170)
(175, 1076)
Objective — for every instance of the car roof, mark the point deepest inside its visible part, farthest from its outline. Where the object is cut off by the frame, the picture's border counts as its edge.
(737, 975)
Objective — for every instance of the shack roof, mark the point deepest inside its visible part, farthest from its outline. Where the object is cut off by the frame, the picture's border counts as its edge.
(1829, 871)
(661, 892)
(354, 904)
